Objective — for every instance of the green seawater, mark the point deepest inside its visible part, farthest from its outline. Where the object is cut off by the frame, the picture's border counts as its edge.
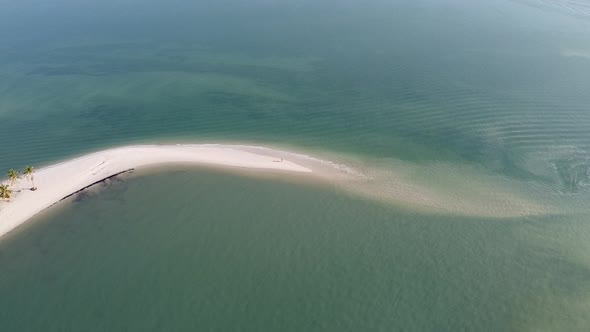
(186, 250)
(470, 105)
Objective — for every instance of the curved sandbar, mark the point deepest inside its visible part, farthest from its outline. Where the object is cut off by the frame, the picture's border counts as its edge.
(61, 180)
(477, 197)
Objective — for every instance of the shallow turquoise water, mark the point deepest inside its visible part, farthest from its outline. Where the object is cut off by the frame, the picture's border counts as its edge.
(464, 98)
(498, 84)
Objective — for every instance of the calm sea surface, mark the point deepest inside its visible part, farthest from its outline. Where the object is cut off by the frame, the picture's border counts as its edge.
(461, 101)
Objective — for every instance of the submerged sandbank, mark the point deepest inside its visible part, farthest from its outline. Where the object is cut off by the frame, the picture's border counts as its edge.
(66, 178)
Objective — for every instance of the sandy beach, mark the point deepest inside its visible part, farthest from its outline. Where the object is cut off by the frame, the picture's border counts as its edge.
(61, 180)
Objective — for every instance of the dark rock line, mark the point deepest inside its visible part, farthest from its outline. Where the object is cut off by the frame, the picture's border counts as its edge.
(97, 182)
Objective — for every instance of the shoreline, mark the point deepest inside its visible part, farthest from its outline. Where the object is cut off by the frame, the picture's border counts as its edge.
(67, 178)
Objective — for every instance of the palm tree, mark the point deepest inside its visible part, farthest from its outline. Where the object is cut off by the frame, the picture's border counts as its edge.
(13, 177)
(29, 170)
(5, 192)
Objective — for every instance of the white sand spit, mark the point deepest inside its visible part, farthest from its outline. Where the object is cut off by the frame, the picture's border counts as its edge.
(451, 190)
(63, 179)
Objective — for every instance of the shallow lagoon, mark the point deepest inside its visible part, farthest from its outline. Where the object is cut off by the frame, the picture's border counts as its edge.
(186, 249)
